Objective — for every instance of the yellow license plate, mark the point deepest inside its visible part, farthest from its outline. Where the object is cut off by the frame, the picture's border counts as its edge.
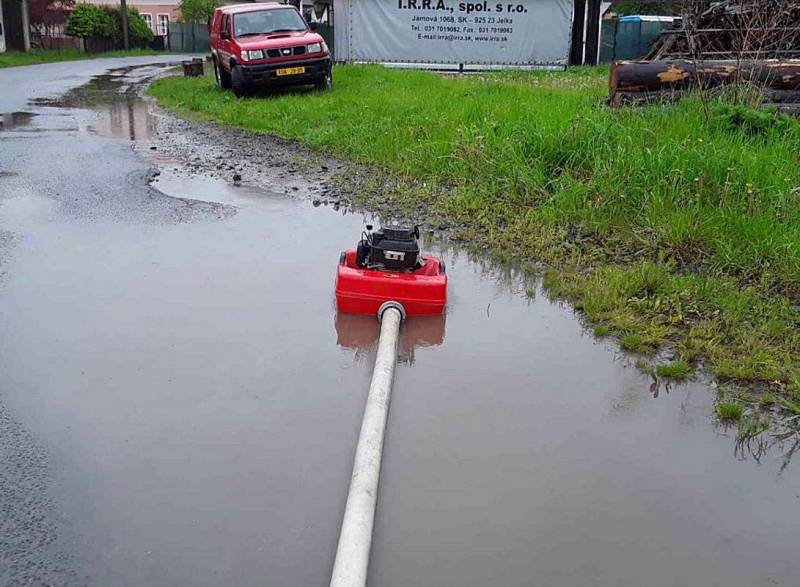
(291, 71)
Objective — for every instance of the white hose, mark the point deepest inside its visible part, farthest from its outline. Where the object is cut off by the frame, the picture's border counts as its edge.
(355, 539)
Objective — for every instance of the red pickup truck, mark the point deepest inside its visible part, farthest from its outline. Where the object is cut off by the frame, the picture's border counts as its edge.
(258, 45)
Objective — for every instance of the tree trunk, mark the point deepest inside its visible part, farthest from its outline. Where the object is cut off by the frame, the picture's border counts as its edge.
(192, 68)
(123, 13)
(653, 79)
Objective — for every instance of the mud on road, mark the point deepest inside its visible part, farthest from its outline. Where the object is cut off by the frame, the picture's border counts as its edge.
(237, 157)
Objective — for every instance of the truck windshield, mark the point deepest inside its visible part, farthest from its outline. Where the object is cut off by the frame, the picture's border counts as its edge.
(265, 22)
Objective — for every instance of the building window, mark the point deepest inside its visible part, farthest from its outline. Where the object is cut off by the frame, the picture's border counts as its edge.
(163, 24)
(148, 18)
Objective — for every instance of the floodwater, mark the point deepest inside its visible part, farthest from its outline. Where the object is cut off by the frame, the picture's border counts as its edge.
(120, 110)
(201, 400)
(9, 120)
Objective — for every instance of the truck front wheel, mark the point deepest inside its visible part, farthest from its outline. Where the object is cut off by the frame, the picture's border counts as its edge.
(324, 83)
(238, 82)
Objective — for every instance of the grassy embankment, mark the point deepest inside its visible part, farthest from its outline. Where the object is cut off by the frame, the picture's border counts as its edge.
(36, 56)
(662, 226)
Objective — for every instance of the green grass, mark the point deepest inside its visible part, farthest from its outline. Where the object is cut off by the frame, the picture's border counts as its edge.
(751, 425)
(35, 56)
(791, 406)
(662, 226)
(729, 411)
(767, 400)
(645, 367)
(674, 370)
(636, 343)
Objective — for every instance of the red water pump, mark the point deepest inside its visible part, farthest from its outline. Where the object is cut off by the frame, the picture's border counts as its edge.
(387, 266)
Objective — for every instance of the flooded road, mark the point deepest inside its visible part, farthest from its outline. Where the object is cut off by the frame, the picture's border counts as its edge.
(171, 357)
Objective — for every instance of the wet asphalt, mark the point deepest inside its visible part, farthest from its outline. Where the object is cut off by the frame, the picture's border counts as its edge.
(179, 402)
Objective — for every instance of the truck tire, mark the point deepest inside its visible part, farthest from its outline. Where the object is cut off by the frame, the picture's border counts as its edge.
(223, 77)
(238, 82)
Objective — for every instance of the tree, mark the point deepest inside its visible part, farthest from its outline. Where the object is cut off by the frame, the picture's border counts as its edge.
(198, 10)
(658, 7)
(123, 14)
(91, 20)
(47, 16)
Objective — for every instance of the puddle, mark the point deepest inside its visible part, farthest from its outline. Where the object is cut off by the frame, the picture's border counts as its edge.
(11, 120)
(203, 400)
(207, 189)
(116, 98)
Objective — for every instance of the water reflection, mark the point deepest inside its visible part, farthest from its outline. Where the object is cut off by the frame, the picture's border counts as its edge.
(117, 98)
(130, 119)
(360, 333)
(9, 120)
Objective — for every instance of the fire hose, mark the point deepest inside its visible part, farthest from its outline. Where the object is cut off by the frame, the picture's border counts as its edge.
(355, 539)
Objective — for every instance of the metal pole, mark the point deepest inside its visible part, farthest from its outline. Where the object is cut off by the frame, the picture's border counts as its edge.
(592, 32)
(578, 24)
(355, 539)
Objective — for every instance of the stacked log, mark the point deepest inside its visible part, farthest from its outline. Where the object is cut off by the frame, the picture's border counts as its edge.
(632, 81)
(734, 29)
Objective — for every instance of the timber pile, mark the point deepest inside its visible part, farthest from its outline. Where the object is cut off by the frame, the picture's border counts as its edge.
(755, 42)
(734, 29)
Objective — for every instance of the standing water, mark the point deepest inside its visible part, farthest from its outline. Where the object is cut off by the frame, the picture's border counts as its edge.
(199, 400)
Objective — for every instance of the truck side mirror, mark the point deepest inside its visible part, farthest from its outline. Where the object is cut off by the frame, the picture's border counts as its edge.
(225, 35)
(312, 26)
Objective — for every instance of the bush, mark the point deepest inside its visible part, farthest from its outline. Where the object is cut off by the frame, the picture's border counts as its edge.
(138, 30)
(754, 121)
(89, 20)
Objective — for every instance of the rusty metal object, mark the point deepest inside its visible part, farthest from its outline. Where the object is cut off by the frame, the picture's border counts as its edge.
(193, 68)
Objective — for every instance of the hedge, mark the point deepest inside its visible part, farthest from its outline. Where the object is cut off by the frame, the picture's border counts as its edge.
(90, 20)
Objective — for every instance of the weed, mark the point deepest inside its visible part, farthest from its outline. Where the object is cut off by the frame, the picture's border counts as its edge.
(729, 411)
(635, 343)
(767, 400)
(754, 121)
(748, 434)
(791, 406)
(601, 330)
(645, 367)
(674, 370)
